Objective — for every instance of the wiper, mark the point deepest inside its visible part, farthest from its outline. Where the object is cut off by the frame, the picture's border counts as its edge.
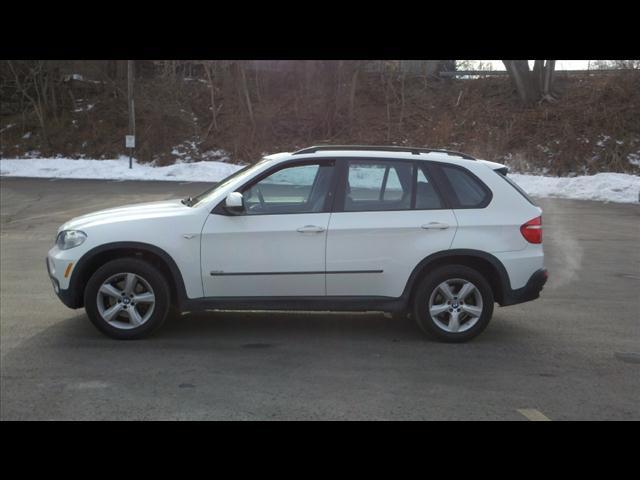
(187, 201)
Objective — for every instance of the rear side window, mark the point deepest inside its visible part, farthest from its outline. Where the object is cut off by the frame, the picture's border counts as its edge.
(378, 185)
(468, 191)
(426, 196)
(368, 185)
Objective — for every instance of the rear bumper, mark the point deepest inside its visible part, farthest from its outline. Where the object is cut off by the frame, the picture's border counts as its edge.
(529, 292)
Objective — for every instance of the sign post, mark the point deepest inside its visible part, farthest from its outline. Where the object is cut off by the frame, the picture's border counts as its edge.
(131, 138)
(130, 143)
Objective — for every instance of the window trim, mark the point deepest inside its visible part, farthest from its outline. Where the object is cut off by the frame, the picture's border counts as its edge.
(448, 190)
(329, 200)
(334, 203)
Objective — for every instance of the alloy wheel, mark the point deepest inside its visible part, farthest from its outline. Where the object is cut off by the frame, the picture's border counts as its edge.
(125, 300)
(455, 305)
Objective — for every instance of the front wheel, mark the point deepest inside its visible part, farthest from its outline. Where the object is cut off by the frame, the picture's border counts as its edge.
(453, 303)
(127, 298)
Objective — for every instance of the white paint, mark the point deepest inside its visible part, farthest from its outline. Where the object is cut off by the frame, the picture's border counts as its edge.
(393, 242)
(390, 241)
(264, 243)
(533, 415)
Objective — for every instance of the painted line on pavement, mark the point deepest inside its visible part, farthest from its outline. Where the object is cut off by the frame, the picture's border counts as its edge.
(533, 414)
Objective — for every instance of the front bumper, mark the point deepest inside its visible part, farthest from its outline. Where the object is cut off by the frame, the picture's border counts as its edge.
(56, 268)
(530, 291)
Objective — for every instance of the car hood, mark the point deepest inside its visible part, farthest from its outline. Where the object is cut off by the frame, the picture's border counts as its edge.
(138, 211)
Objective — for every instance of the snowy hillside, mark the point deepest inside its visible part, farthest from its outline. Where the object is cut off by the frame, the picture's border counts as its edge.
(609, 187)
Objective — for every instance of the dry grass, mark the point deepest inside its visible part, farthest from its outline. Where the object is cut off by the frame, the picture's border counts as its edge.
(594, 127)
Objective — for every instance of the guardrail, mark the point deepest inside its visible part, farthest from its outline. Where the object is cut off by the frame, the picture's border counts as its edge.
(490, 73)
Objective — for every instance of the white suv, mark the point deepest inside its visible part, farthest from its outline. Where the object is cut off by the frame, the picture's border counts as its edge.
(434, 233)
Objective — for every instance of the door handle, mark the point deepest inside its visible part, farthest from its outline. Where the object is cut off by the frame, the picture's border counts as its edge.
(310, 229)
(435, 226)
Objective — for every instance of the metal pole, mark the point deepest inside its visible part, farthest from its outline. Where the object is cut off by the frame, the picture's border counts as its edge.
(132, 115)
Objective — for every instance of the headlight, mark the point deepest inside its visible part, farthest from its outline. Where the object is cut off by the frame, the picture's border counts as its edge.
(70, 238)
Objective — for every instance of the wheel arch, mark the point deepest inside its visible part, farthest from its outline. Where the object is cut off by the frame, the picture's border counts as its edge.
(485, 263)
(98, 256)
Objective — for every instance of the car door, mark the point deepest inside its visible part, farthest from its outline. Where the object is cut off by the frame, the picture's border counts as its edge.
(276, 247)
(388, 216)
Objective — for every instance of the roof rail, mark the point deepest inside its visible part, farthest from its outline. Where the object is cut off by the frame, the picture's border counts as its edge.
(413, 150)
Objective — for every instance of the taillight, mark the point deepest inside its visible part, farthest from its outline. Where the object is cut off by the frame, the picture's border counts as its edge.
(532, 230)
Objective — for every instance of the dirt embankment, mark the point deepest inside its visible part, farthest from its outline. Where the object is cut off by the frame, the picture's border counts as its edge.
(594, 126)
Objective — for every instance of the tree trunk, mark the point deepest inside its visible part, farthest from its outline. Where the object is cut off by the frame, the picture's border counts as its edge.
(245, 91)
(547, 87)
(532, 86)
(402, 101)
(208, 68)
(520, 75)
(331, 76)
(352, 93)
(35, 103)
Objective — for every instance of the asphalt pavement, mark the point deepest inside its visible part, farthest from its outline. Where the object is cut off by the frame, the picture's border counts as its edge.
(573, 354)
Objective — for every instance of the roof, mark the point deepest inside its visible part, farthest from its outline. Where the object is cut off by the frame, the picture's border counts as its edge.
(399, 153)
(366, 151)
(382, 148)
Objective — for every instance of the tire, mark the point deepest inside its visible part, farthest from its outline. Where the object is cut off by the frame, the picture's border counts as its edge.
(463, 319)
(137, 316)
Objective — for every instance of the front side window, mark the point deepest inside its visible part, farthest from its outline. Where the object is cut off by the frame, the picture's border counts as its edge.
(378, 185)
(206, 196)
(295, 189)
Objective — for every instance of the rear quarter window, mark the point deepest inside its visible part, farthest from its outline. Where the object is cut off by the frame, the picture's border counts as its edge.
(468, 191)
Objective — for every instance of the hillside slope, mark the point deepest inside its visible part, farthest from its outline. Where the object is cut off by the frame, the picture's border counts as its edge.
(594, 127)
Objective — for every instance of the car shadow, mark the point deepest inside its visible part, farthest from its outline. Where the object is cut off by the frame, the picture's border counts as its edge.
(194, 330)
(71, 370)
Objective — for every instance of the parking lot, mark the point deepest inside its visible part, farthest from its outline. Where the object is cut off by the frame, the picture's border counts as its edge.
(574, 354)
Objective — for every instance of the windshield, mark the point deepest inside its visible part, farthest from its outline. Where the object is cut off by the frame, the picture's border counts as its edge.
(205, 196)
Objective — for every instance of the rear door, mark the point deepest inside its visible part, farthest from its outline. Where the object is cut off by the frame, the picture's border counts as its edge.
(388, 216)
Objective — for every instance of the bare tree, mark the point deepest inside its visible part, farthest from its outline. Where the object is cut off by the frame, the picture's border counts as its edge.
(532, 86)
(615, 64)
(209, 69)
(32, 85)
(242, 85)
(356, 67)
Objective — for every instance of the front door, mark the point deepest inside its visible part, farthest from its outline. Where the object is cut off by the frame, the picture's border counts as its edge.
(276, 247)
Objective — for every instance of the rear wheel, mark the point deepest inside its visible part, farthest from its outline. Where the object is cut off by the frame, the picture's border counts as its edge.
(453, 303)
(127, 298)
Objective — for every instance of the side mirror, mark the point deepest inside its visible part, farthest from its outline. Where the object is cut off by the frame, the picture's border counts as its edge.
(234, 203)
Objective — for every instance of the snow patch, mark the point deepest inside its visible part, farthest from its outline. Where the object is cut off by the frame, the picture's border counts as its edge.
(11, 125)
(634, 159)
(117, 169)
(608, 187)
(189, 151)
